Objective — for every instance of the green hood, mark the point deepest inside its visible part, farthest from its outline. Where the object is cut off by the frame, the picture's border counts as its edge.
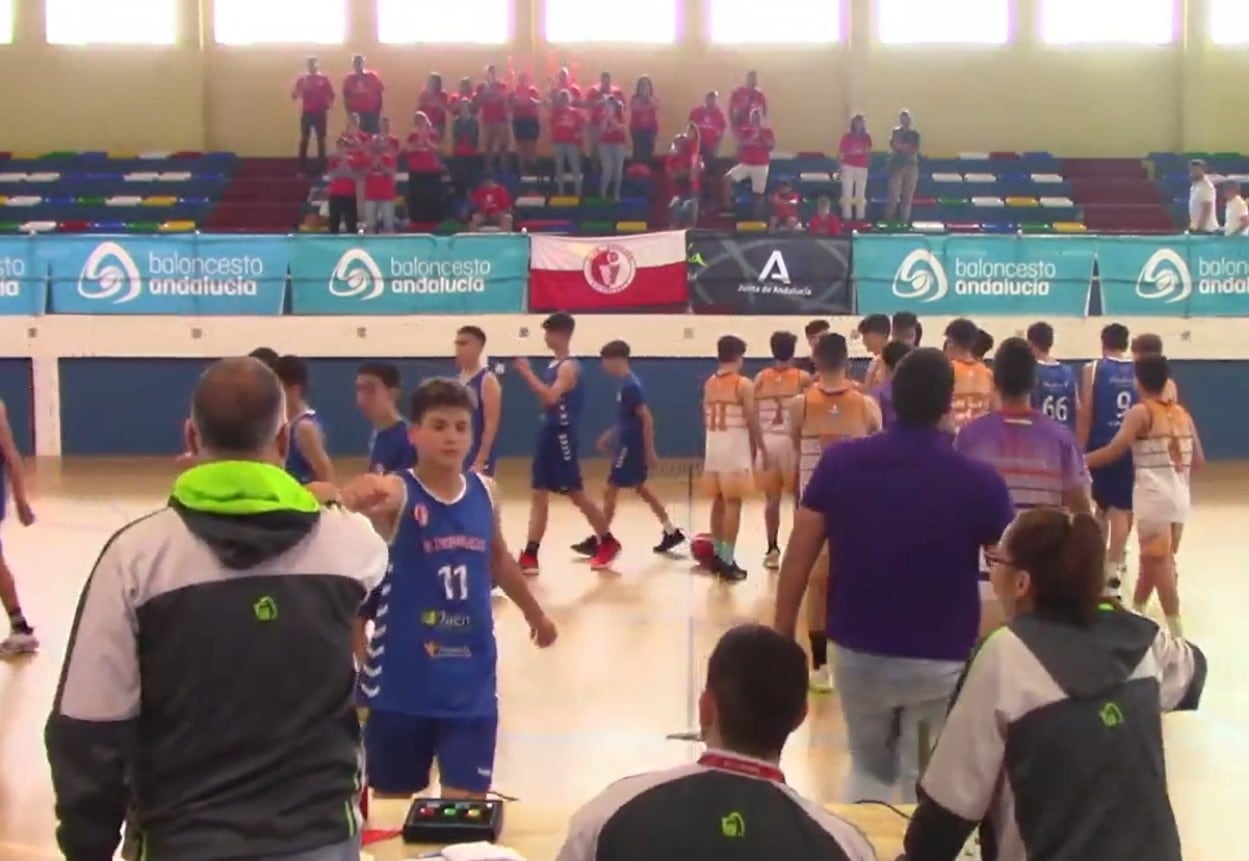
(245, 511)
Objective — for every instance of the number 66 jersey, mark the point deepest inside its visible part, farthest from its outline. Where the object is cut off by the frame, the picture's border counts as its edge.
(433, 651)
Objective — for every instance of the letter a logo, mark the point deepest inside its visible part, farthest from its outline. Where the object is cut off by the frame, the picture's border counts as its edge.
(775, 269)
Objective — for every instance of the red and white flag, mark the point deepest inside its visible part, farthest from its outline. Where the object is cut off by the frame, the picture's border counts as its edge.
(607, 273)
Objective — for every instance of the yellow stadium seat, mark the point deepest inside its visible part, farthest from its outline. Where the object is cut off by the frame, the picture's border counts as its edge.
(4, 201)
(176, 227)
(26, 156)
(1022, 201)
(313, 228)
(1069, 227)
(752, 226)
(631, 227)
(565, 200)
(160, 200)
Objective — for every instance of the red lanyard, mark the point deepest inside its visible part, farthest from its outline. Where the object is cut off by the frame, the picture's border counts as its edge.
(748, 767)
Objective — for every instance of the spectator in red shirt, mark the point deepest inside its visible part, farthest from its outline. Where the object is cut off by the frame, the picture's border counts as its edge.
(380, 188)
(492, 99)
(425, 170)
(596, 100)
(644, 119)
(492, 206)
(824, 222)
(465, 93)
(353, 137)
(746, 99)
(362, 95)
(567, 140)
(386, 139)
(612, 134)
(434, 103)
(784, 208)
(526, 102)
(342, 177)
(564, 82)
(711, 124)
(855, 154)
(755, 142)
(315, 93)
(683, 166)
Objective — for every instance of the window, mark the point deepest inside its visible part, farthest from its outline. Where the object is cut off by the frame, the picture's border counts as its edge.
(112, 22)
(950, 22)
(780, 22)
(1106, 22)
(1229, 22)
(280, 22)
(6, 22)
(461, 22)
(647, 22)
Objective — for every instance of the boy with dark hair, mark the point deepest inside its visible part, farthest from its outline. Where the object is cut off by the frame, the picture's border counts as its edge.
(907, 329)
(556, 467)
(631, 445)
(377, 392)
(429, 673)
(482, 383)
(265, 354)
(874, 329)
(21, 638)
(1149, 344)
(883, 393)
(1056, 393)
(1165, 448)
(984, 345)
(306, 458)
(812, 331)
(733, 441)
(973, 383)
(775, 387)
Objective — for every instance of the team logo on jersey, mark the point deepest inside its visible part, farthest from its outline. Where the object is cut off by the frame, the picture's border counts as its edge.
(921, 277)
(609, 269)
(110, 273)
(1165, 277)
(356, 275)
(439, 619)
(437, 650)
(421, 515)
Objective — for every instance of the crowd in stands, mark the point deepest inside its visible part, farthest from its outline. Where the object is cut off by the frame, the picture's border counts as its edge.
(1203, 194)
(462, 143)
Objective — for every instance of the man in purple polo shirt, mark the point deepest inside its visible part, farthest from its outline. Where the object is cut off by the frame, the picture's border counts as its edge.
(905, 517)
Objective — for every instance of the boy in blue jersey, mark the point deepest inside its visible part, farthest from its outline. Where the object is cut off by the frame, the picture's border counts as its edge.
(21, 638)
(1056, 393)
(556, 468)
(377, 390)
(487, 394)
(1107, 392)
(306, 458)
(631, 445)
(429, 670)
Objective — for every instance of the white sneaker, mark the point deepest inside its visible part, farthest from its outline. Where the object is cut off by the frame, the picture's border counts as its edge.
(772, 560)
(19, 644)
(822, 680)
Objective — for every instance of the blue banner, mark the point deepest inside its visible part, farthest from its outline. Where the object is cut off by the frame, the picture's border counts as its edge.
(1174, 276)
(23, 278)
(391, 275)
(182, 274)
(1048, 276)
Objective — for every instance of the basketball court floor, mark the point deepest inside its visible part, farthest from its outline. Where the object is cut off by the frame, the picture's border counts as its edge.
(633, 644)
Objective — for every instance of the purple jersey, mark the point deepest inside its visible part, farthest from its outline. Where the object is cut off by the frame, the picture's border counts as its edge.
(883, 395)
(1037, 457)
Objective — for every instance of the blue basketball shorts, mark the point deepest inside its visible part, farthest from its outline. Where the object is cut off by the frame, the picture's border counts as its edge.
(1112, 485)
(628, 467)
(400, 751)
(555, 465)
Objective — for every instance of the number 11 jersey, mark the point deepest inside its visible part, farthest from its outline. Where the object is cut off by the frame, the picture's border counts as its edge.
(433, 651)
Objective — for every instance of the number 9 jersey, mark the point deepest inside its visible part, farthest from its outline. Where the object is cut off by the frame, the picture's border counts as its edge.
(1055, 393)
(433, 650)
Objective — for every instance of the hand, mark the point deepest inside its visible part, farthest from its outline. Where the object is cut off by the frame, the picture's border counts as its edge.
(25, 514)
(542, 631)
(363, 493)
(323, 491)
(521, 364)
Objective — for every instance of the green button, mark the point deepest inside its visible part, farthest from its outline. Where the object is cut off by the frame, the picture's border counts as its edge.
(449, 812)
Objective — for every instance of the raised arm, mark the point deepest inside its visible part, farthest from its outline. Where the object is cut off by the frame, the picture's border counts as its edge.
(565, 379)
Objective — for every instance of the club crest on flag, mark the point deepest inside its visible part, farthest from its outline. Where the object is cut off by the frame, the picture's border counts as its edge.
(610, 268)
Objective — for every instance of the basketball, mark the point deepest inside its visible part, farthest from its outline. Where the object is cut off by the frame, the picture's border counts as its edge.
(702, 548)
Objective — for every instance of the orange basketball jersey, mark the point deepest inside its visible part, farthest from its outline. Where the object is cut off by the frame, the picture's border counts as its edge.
(829, 417)
(973, 391)
(774, 389)
(722, 404)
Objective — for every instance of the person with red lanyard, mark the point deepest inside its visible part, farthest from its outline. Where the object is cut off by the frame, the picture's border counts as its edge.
(754, 698)
(596, 100)
(425, 170)
(855, 154)
(755, 142)
(464, 152)
(746, 99)
(612, 131)
(342, 174)
(315, 93)
(825, 222)
(492, 99)
(564, 82)
(434, 102)
(644, 120)
(362, 95)
(567, 140)
(525, 103)
(711, 124)
(784, 208)
(380, 188)
(683, 166)
(492, 206)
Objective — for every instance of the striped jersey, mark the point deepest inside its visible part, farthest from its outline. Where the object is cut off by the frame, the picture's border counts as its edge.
(1037, 457)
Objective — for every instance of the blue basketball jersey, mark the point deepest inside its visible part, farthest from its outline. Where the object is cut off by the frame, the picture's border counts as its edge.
(473, 384)
(565, 413)
(390, 449)
(629, 400)
(1055, 392)
(1114, 393)
(433, 651)
(296, 464)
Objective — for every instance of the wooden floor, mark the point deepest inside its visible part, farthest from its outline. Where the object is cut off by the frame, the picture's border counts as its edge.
(631, 655)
